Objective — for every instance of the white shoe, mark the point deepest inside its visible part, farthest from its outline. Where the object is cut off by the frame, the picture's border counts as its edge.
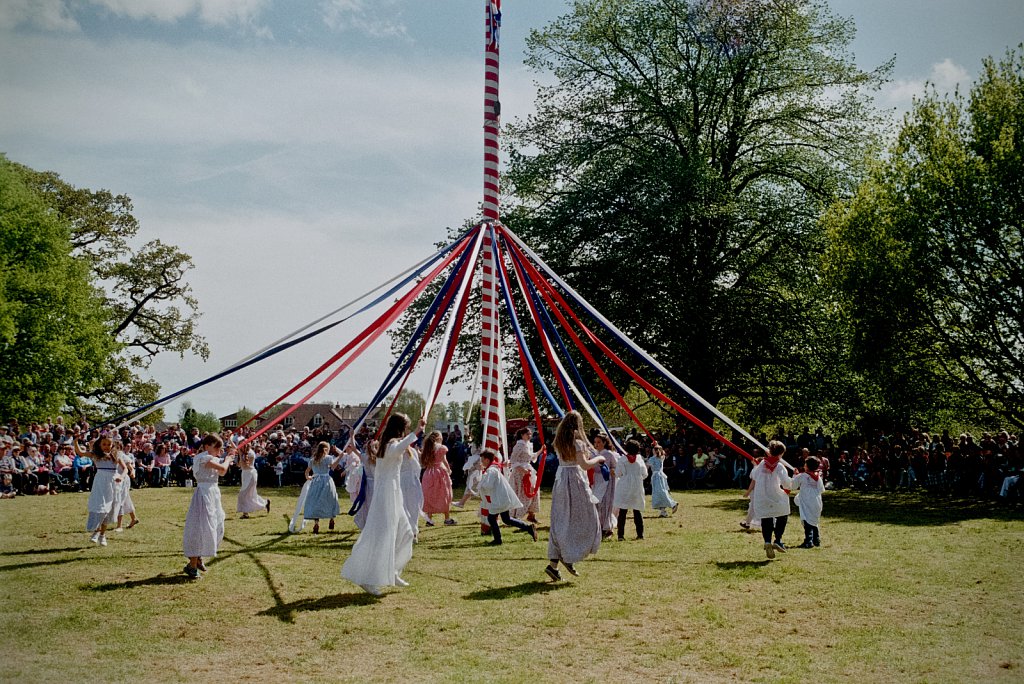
(95, 538)
(103, 540)
(664, 513)
(399, 582)
(370, 589)
(458, 504)
(119, 529)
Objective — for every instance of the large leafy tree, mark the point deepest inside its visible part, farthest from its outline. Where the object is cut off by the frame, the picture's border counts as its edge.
(674, 172)
(927, 258)
(149, 304)
(54, 340)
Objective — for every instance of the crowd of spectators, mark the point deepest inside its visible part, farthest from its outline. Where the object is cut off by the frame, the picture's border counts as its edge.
(40, 458)
(936, 463)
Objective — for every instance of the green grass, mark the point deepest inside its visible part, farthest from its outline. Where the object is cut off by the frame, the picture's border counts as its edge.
(903, 589)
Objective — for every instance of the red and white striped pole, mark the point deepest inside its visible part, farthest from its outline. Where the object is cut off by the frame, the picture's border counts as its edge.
(491, 389)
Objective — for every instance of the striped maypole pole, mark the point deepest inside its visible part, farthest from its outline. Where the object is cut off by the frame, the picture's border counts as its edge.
(491, 389)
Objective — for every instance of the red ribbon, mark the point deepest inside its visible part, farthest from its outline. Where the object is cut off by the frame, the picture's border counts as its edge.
(538, 278)
(368, 337)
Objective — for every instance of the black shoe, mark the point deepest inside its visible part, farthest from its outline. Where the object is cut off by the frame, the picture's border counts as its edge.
(268, 505)
(494, 542)
(553, 573)
(779, 546)
(571, 569)
(193, 573)
(806, 545)
(533, 532)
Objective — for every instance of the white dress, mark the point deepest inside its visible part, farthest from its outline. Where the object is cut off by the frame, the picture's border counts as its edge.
(809, 497)
(522, 476)
(496, 492)
(384, 547)
(124, 503)
(629, 487)
(103, 497)
(204, 523)
(249, 500)
(768, 498)
(412, 488)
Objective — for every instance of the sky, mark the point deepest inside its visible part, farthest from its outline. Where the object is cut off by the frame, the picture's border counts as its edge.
(304, 152)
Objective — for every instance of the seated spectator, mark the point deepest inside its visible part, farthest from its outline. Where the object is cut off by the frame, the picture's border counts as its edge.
(700, 465)
(182, 468)
(64, 463)
(7, 489)
(162, 464)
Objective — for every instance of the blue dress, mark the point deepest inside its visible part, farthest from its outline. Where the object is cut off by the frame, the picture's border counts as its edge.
(322, 498)
(660, 497)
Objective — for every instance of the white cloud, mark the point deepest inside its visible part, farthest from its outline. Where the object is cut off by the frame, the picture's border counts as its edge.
(944, 76)
(376, 19)
(45, 15)
(213, 12)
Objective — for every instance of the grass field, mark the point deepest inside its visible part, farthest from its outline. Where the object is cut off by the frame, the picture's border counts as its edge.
(902, 590)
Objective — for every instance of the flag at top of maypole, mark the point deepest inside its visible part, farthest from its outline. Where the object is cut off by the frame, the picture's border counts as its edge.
(492, 389)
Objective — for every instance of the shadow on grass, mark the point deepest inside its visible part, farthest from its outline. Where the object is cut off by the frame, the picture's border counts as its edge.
(285, 612)
(158, 581)
(894, 508)
(516, 591)
(39, 552)
(741, 565)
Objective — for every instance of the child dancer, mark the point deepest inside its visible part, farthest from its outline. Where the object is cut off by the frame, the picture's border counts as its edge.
(103, 498)
(204, 523)
(808, 499)
(322, 497)
(437, 479)
(575, 529)
(126, 470)
(499, 498)
(249, 500)
(384, 546)
(352, 465)
(604, 485)
(768, 497)
(660, 497)
(412, 489)
(629, 490)
(523, 477)
(361, 504)
(473, 474)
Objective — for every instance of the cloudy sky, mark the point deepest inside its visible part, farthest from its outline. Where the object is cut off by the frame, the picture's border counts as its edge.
(303, 152)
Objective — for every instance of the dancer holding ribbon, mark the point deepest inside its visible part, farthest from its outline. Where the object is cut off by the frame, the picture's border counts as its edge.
(575, 529)
(384, 547)
(523, 477)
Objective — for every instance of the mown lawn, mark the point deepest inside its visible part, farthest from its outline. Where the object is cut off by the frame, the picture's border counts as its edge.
(902, 590)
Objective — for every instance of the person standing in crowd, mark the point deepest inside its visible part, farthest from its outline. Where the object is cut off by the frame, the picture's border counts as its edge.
(523, 477)
(575, 530)
(204, 523)
(769, 499)
(499, 498)
(384, 546)
(629, 490)
(661, 499)
(437, 479)
(249, 500)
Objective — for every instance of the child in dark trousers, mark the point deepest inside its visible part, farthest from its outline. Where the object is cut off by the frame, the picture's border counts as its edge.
(629, 488)
(499, 498)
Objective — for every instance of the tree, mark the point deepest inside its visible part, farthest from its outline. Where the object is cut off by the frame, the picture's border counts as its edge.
(927, 258)
(53, 341)
(674, 171)
(189, 417)
(150, 308)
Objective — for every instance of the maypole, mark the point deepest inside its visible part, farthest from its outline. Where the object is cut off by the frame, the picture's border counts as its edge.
(491, 394)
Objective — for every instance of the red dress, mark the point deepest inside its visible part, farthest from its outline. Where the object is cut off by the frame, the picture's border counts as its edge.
(437, 484)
